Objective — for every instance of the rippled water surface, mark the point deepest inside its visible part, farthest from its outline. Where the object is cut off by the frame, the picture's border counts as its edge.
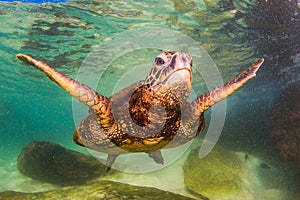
(233, 32)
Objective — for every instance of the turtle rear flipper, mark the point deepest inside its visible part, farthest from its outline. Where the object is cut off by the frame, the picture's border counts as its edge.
(80, 91)
(208, 99)
(156, 156)
(109, 161)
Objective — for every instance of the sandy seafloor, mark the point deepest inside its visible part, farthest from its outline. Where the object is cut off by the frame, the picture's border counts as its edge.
(32, 108)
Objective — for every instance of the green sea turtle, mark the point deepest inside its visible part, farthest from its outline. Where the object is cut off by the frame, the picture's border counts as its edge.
(148, 115)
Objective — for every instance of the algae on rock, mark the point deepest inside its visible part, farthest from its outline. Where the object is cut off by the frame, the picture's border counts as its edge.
(52, 163)
(220, 175)
(97, 190)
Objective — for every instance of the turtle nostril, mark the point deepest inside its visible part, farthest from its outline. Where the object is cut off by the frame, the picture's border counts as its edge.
(183, 57)
(173, 62)
(189, 58)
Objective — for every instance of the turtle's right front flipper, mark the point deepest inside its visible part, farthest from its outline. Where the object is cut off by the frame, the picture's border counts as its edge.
(80, 91)
(208, 99)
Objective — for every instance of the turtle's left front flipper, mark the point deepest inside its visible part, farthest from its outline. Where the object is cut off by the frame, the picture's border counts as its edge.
(80, 91)
(208, 99)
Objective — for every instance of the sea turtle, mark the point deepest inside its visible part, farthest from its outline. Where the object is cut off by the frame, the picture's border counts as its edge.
(148, 115)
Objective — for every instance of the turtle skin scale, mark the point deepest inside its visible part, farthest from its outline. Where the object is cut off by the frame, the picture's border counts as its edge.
(148, 115)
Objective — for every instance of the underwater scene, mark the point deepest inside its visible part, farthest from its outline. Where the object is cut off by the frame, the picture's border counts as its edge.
(149, 140)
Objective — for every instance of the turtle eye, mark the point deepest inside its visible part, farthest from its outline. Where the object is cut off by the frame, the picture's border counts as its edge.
(159, 61)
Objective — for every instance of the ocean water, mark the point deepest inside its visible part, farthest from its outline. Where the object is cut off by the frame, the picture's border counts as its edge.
(36, 1)
(72, 35)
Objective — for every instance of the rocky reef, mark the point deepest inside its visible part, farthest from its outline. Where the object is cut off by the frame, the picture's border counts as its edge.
(220, 175)
(79, 174)
(52, 163)
(97, 190)
(284, 124)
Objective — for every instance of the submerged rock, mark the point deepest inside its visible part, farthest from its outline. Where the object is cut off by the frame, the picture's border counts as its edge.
(285, 124)
(97, 190)
(220, 175)
(52, 163)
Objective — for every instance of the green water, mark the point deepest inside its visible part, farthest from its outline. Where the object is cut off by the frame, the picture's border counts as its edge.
(34, 108)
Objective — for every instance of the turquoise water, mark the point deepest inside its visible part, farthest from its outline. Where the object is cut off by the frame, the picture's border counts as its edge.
(34, 108)
(36, 1)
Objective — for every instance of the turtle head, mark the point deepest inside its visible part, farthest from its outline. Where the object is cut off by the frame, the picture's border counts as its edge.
(171, 70)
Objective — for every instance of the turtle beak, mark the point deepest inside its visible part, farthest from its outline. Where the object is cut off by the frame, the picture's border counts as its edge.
(186, 73)
(180, 76)
(181, 64)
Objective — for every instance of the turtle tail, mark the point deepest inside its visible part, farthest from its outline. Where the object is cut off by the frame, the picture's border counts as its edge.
(208, 99)
(80, 91)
